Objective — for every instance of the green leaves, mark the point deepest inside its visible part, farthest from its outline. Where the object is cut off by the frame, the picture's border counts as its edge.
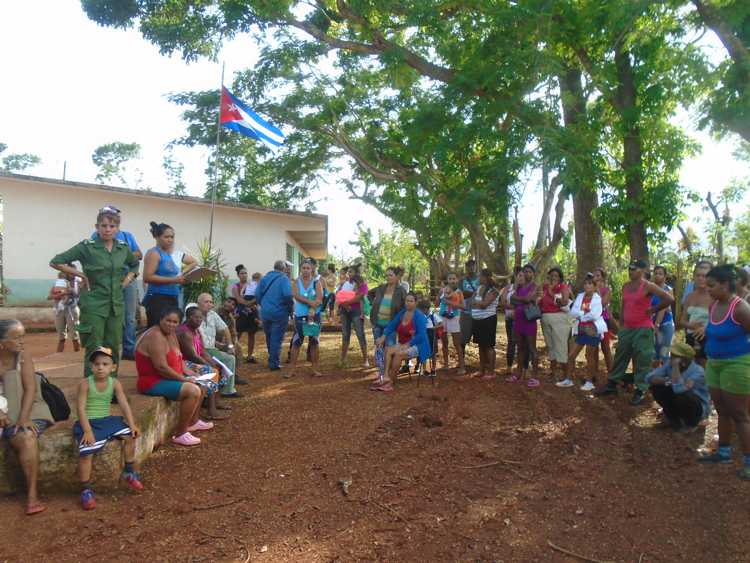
(111, 158)
(17, 162)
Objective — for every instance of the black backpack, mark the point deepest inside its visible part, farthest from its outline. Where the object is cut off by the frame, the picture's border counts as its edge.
(55, 399)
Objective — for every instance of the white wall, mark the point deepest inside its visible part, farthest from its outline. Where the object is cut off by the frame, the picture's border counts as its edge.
(42, 219)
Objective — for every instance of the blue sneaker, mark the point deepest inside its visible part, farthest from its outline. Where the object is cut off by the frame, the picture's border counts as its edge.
(715, 457)
(88, 500)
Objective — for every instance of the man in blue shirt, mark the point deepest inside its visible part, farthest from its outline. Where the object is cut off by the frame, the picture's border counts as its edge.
(129, 293)
(680, 388)
(274, 295)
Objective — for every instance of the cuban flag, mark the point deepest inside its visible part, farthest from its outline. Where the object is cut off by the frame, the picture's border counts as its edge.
(238, 117)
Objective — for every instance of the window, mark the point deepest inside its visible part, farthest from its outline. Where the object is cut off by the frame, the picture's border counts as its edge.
(294, 256)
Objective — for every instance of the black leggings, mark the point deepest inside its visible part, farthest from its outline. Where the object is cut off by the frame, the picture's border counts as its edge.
(510, 350)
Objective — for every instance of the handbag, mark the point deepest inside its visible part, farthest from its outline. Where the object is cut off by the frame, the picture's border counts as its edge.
(55, 399)
(311, 329)
(532, 312)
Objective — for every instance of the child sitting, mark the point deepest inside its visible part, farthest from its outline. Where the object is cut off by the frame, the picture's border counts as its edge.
(95, 426)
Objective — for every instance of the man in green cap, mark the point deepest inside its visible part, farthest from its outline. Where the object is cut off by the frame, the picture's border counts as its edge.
(108, 265)
(680, 388)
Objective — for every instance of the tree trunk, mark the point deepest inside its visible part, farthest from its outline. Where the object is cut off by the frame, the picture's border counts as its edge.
(517, 240)
(495, 259)
(625, 102)
(588, 233)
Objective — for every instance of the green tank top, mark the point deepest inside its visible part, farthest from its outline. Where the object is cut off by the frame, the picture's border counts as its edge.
(97, 402)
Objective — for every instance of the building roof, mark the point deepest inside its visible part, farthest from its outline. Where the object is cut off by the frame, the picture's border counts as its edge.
(149, 193)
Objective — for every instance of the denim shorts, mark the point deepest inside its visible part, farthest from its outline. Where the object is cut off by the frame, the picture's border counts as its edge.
(9, 432)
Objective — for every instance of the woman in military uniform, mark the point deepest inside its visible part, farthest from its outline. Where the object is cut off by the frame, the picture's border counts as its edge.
(108, 266)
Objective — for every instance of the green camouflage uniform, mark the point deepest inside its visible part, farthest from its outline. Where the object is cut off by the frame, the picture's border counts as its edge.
(102, 307)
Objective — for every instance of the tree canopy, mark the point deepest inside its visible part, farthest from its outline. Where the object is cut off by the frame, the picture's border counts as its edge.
(440, 113)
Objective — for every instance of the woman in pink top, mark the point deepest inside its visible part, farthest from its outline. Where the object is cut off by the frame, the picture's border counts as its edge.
(636, 337)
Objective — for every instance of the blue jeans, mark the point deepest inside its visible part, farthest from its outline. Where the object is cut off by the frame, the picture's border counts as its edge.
(390, 340)
(274, 329)
(130, 296)
(663, 342)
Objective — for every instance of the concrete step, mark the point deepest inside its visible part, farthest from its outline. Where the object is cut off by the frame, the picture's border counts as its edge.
(58, 453)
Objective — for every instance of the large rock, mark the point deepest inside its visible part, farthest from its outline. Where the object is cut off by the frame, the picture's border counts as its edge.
(156, 418)
(59, 455)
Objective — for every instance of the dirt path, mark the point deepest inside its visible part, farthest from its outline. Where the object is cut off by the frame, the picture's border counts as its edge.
(466, 471)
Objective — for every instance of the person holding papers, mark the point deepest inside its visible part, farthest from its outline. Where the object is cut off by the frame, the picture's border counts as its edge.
(218, 343)
(197, 359)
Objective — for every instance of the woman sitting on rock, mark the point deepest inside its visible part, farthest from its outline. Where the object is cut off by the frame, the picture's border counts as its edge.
(161, 373)
(23, 413)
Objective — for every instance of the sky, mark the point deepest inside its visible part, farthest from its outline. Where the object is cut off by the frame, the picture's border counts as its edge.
(70, 86)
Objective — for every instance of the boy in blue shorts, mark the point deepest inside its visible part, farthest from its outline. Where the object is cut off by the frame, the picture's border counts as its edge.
(95, 426)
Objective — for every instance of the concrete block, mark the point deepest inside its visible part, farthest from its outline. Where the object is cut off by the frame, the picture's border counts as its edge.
(59, 454)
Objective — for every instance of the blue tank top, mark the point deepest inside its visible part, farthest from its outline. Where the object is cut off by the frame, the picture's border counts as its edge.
(166, 268)
(667, 320)
(301, 309)
(726, 339)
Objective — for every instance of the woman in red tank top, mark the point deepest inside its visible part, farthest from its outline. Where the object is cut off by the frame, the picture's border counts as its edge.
(636, 337)
(161, 373)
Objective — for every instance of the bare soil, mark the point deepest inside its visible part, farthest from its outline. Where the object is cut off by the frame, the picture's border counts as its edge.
(463, 471)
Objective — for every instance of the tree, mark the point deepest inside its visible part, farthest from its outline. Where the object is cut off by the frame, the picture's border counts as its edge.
(440, 108)
(111, 159)
(635, 55)
(390, 249)
(727, 106)
(17, 162)
(174, 170)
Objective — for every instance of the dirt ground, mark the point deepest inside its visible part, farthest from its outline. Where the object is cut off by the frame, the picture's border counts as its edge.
(464, 471)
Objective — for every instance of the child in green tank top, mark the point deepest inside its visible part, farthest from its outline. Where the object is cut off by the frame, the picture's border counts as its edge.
(95, 426)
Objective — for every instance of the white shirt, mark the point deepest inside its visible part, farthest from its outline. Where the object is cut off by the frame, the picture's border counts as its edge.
(487, 312)
(211, 324)
(250, 289)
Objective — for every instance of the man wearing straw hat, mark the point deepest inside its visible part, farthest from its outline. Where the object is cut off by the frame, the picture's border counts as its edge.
(680, 388)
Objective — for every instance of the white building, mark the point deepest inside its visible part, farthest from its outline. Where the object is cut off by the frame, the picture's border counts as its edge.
(42, 217)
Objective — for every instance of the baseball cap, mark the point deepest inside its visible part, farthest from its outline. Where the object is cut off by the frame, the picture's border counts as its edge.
(101, 350)
(637, 264)
(683, 350)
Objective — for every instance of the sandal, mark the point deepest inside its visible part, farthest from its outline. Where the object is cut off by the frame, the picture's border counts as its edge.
(35, 508)
(532, 383)
(513, 379)
(385, 388)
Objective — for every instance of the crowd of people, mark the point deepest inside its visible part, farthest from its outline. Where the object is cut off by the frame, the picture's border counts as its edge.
(189, 353)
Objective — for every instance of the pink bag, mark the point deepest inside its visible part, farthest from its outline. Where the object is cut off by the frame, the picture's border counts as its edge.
(344, 295)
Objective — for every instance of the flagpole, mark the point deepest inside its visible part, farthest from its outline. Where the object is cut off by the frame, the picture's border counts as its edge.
(216, 164)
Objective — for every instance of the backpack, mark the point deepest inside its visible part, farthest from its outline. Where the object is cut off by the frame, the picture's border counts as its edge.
(55, 399)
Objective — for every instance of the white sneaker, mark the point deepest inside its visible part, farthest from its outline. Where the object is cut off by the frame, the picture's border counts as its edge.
(564, 383)
(588, 386)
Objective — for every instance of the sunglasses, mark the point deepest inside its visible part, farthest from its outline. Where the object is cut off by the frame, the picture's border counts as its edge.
(109, 209)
